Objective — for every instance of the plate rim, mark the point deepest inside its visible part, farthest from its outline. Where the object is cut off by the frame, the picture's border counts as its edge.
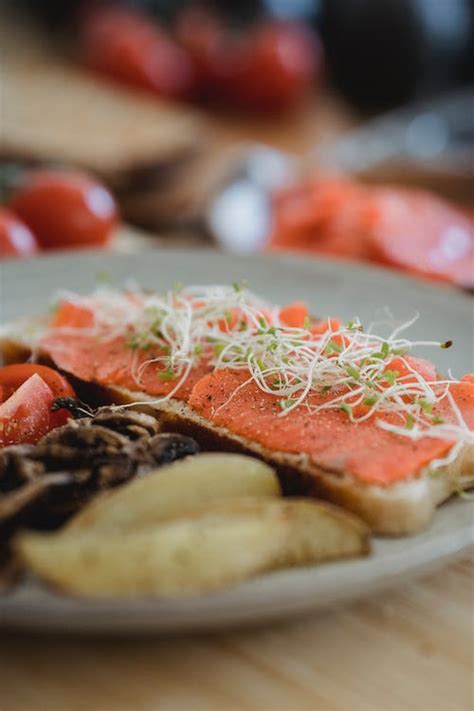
(21, 613)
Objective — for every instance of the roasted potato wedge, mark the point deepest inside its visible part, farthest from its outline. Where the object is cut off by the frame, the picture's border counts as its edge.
(222, 543)
(178, 489)
(203, 553)
(318, 531)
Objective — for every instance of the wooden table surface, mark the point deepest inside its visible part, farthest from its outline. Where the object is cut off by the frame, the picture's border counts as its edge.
(409, 650)
(412, 648)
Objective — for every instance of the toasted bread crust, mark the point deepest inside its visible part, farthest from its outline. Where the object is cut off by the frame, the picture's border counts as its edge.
(398, 509)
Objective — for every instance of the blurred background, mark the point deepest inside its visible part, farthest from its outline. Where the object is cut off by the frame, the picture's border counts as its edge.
(335, 127)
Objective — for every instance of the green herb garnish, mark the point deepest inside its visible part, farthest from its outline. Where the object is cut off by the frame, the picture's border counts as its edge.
(370, 401)
(390, 376)
(333, 347)
(353, 372)
(167, 375)
(425, 405)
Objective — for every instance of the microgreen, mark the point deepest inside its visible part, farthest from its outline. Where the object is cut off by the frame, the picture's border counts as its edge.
(409, 421)
(390, 376)
(167, 375)
(425, 405)
(291, 364)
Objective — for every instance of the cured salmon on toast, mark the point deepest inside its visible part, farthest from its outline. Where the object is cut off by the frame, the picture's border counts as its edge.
(342, 413)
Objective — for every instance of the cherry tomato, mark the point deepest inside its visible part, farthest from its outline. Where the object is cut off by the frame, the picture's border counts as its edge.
(65, 208)
(274, 66)
(16, 239)
(25, 415)
(203, 35)
(13, 376)
(126, 45)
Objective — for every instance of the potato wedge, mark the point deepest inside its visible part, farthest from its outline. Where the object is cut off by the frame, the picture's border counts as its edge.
(222, 543)
(204, 553)
(177, 489)
(318, 530)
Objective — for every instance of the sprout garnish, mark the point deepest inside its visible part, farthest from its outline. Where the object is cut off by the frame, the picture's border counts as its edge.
(343, 368)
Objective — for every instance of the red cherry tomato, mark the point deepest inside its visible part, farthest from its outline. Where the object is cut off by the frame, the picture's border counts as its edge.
(25, 416)
(16, 239)
(126, 45)
(274, 67)
(13, 376)
(65, 208)
(203, 35)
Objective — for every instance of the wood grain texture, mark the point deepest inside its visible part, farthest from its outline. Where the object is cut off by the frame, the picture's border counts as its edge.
(409, 650)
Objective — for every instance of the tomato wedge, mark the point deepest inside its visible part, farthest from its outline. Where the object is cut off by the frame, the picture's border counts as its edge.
(13, 376)
(26, 416)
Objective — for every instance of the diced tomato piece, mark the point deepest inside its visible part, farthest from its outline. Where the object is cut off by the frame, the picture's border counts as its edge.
(72, 315)
(26, 416)
(294, 315)
(328, 324)
(230, 321)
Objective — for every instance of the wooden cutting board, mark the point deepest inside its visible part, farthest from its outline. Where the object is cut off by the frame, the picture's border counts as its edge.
(52, 110)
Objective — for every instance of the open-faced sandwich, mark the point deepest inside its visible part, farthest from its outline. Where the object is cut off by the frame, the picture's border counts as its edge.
(340, 412)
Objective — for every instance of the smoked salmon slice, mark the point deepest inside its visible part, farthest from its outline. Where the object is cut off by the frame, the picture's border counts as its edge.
(411, 230)
(362, 450)
(355, 417)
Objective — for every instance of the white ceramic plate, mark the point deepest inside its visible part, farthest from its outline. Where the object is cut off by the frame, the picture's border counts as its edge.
(329, 287)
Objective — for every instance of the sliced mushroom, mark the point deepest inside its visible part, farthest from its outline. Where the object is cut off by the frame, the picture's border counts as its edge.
(167, 447)
(128, 422)
(17, 506)
(42, 485)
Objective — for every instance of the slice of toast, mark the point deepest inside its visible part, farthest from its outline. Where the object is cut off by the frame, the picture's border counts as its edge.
(55, 113)
(397, 509)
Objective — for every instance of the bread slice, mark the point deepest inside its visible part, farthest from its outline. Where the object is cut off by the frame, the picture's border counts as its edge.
(124, 136)
(398, 509)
